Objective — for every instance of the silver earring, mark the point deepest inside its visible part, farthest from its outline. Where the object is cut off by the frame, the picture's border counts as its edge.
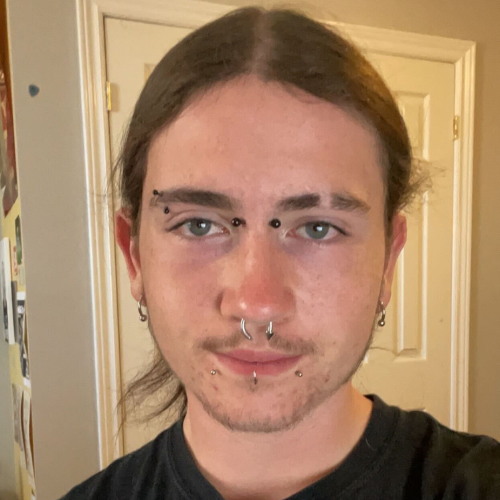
(381, 321)
(142, 316)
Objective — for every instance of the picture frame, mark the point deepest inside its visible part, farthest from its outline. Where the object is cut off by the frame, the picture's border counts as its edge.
(6, 292)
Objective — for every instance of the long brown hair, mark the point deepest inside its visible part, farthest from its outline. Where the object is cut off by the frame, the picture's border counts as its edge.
(277, 46)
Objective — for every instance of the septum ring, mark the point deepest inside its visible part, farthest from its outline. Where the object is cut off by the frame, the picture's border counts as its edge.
(269, 331)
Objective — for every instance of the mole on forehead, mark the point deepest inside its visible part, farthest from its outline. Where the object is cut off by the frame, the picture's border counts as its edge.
(338, 201)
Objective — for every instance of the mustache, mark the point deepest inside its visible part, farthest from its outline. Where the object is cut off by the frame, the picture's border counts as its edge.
(277, 343)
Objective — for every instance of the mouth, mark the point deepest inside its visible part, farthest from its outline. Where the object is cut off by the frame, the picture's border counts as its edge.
(243, 362)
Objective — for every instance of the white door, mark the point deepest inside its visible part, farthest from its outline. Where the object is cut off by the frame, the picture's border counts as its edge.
(410, 363)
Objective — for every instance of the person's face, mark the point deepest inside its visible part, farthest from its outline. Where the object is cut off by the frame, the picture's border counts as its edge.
(318, 277)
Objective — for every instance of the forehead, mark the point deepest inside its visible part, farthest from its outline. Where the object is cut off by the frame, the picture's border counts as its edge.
(261, 139)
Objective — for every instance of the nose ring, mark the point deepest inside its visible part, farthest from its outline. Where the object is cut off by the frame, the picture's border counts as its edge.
(244, 331)
(269, 331)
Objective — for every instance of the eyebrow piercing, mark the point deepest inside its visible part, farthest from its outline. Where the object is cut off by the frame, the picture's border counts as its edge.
(275, 223)
(157, 194)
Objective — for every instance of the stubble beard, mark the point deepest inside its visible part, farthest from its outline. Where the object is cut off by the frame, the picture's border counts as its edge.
(316, 394)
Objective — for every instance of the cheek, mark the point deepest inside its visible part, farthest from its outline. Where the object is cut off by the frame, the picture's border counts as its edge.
(179, 281)
(345, 273)
(341, 280)
(338, 294)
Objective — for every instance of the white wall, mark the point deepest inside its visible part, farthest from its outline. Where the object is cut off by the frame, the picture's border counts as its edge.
(49, 140)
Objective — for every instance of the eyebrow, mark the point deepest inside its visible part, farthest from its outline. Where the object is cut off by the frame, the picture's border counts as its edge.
(338, 201)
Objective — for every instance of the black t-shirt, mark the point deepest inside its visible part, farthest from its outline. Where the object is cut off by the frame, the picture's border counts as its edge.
(401, 455)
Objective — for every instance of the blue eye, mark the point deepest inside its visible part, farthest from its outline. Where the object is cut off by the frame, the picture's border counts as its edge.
(319, 230)
(195, 227)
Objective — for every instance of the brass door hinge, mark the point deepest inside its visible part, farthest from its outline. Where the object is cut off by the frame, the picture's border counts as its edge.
(456, 124)
(109, 106)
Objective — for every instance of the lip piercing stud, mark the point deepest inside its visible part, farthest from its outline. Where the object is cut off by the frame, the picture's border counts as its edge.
(275, 223)
(298, 373)
(255, 377)
(213, 372)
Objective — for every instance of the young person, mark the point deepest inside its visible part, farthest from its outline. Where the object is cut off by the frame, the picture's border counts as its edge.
(262, 179)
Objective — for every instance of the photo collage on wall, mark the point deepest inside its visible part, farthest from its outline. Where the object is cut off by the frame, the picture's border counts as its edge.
(8, 171)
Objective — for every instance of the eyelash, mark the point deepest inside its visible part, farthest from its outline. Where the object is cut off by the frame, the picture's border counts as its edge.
(201, 238)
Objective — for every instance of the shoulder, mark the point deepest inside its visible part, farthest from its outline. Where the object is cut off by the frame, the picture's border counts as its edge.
(448, 464)
(134, 476)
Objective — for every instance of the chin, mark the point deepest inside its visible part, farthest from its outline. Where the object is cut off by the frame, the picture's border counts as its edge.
(264, 411)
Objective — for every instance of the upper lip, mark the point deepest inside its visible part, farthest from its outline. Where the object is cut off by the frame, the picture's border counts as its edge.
(256, 356)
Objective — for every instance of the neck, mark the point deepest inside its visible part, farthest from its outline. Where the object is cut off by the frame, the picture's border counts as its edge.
(274, 466)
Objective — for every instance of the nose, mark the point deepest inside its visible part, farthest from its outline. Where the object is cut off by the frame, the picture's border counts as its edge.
(257, 284)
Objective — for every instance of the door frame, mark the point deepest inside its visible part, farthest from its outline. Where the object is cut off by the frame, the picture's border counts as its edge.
(192, 14)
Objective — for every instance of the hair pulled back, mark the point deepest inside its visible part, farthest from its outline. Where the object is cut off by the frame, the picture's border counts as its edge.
(276, 45)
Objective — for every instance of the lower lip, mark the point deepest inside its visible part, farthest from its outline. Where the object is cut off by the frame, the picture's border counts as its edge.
(268, 368)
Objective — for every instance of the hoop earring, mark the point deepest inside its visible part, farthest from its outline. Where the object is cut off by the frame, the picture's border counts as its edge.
(381, 321)
(142, 316)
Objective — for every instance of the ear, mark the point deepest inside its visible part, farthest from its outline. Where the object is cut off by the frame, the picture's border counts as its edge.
(130, 249)
(396, 244)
